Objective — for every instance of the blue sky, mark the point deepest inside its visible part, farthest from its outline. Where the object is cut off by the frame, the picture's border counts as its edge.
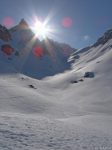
(89, 19)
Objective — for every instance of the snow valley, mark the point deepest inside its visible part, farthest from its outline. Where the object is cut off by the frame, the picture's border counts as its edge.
(52, 96)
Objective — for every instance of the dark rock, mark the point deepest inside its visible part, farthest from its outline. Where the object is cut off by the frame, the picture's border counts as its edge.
(89, 75)
(74, 82)
(98, 62)
(4, 33)
(16, 53)
(9, 58)
(32, 86)
(22, 78)
(81, 80)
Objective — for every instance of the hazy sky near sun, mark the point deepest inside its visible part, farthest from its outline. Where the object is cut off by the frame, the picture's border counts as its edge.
(76, 22)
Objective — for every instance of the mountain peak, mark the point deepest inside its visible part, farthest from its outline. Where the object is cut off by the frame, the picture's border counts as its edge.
(23, 23)
(102, 40)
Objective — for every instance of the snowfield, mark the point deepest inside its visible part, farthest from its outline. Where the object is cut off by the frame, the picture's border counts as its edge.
(62, 112)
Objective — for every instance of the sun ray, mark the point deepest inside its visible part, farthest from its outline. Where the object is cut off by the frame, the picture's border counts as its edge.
(42, 29)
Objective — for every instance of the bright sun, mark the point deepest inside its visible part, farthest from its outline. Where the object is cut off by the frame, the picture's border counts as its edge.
(40, 29)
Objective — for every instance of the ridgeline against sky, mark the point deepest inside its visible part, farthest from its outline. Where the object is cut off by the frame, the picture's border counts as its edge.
(76, 22)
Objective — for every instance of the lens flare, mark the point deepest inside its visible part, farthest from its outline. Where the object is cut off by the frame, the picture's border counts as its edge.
(8, 22)
(67, 22)
(38, 51)
(41, 29)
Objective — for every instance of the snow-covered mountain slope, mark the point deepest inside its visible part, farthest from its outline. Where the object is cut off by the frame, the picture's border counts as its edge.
(53, 59)
(84, 57)
(66, 111)
(33, 57)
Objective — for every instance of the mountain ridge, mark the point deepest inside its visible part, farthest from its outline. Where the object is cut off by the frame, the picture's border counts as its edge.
(39, 59)
(33, 57)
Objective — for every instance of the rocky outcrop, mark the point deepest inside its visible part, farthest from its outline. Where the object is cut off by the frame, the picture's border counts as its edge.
(4, 34)
(102, 40)
(23, 24)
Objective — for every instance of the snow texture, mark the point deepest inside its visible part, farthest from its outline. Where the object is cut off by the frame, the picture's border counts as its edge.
(56, 113)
